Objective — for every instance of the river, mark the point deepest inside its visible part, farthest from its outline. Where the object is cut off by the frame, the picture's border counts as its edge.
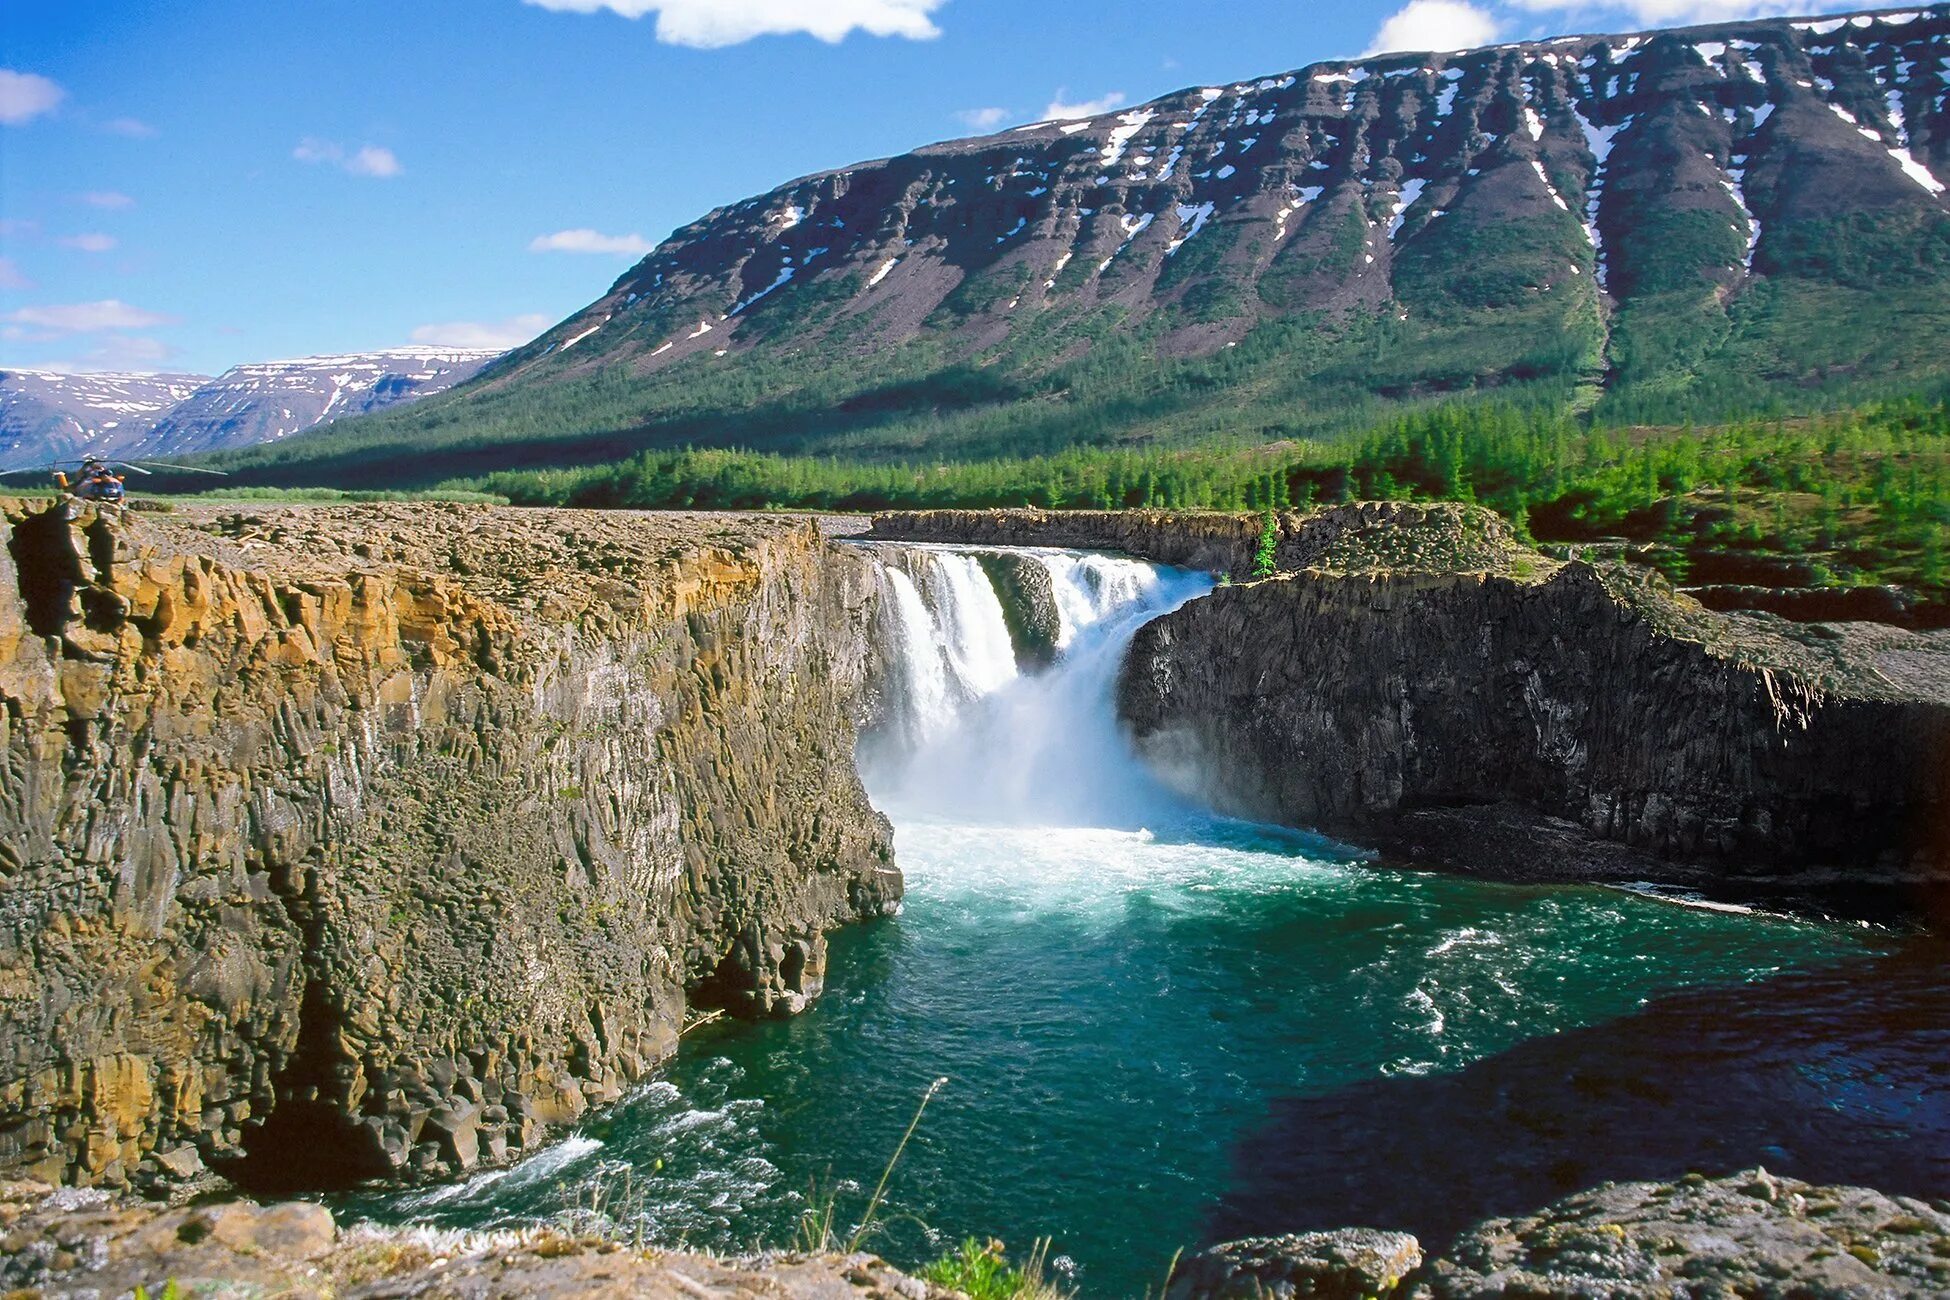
(1159, 1027)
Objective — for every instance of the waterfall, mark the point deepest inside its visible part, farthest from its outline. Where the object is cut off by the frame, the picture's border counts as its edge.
(970, 736)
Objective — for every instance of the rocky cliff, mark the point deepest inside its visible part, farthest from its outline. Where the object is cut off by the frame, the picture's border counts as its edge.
(361, 841)
(1417, 680)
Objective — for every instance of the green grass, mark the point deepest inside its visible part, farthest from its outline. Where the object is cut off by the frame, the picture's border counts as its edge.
(1854, 496)
(983, 1272)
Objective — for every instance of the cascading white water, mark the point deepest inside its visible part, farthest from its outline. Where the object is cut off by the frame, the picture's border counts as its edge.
(981, 741)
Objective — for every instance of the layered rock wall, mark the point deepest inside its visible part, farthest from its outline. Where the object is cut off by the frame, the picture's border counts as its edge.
(1452, 717)
(356, 841)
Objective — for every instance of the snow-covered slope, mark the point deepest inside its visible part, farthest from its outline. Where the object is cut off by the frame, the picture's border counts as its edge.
(270, 400)
(46, 416)
(1432, 188)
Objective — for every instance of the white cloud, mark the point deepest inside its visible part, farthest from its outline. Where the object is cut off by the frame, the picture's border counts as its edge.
(373, 160)
(367, 160)
(111, 199)
(982, 119)
(1060, 108)
(1435, 25)
(116, 352)
(88, 317)
(502, 334)
(714, 24)
(1666, 13)
(590, 241)
(11, 276)
(132, 127)
(24, 96)
(93, 242)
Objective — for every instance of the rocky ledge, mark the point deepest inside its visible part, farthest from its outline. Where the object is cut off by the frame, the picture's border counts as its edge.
(1750, 1234)
(1416, 679)
(377, 841)
(79, 1242)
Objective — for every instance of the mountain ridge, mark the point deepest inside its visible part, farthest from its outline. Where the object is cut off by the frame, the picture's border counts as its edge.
(48, 415)
(1668, 223)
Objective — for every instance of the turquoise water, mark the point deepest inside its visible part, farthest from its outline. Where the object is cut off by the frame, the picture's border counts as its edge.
(1169, 1027)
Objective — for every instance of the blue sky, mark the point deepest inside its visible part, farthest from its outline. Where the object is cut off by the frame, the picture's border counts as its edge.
(191, 185)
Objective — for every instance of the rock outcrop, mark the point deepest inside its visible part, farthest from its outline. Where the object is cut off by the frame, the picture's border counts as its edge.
(1417, 680)
(1365, 534)
(376, 841)
(1747, 1234)
(82, 1242)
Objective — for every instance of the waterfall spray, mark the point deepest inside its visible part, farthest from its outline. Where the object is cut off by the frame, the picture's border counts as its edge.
(973, 737)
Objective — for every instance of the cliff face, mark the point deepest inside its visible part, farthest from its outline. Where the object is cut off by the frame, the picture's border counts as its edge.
(353, 841)
(1418, 681)
(1503, 720)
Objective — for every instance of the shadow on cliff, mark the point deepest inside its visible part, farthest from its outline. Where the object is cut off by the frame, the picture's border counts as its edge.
(1834, 1075)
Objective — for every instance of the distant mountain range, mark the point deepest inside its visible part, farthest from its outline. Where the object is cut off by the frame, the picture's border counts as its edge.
(1728, 219)
(47, 416)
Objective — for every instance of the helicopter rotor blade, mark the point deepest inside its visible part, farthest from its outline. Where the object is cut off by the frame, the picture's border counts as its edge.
(187, 469)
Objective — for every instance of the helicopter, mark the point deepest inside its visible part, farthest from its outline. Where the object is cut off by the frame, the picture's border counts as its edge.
(97, 480)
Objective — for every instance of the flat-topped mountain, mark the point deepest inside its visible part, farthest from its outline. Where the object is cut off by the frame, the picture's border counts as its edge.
(1666, 224)
(46, 415)
(265, 401)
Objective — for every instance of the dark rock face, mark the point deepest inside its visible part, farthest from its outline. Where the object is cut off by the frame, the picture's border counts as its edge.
(1391, 707)
(1028, 598)
(353, 842)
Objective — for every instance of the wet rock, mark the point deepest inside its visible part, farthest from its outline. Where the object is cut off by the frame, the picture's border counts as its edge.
(1349, 1264)
(1028, 597)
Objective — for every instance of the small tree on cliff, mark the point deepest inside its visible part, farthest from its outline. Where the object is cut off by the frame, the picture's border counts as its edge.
(1269, 543)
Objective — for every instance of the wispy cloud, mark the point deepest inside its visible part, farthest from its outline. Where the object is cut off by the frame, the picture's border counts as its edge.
(1061, 109)
(116, 352)
(590, 241)
(982, 119)
(11, 276)
(88, 317)
(92, 242)
(1436, 25)
(500, 334)
(714, 24)
(367, 160)
(25, 96)
(110, 199)
(133, 128)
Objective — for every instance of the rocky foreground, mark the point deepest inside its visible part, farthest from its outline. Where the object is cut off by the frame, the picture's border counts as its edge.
(85, 1243)
(1748, 1235)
